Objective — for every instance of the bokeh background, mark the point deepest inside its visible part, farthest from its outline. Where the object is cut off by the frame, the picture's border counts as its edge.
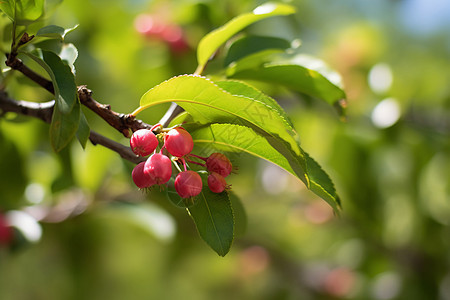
(98, 237)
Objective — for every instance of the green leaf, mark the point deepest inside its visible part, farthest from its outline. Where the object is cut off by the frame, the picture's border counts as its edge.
(235, 138)
(66, 51)
(181, 118)
(301, 73)
(54, 31)
(51, 31)
(174, 198)
(239, 88)
(23, 12)
(321, 184)
(83, 131)
(240, 104)
(240, 216)
(64, 126)
(213, 40)
(213, 216)
(66, 114)
(253, 44)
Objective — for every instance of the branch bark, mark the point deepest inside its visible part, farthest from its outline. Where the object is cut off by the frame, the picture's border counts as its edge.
(124, 151)
(121, 122)
(41, 111)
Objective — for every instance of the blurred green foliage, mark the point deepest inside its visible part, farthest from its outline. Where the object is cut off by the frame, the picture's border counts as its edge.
(103, 239)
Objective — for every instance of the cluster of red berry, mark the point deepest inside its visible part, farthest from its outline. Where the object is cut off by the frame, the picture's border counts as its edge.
(157, 169)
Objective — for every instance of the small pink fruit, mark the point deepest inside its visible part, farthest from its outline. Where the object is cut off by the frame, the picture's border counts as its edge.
(141, 179)
(143, 142)
(178, 142)
(216, 183)
(219, 163)
(188, 184)
(159, 168)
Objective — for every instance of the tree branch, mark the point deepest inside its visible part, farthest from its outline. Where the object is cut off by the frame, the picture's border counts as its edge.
(124, 151)
(17, 64)
(121, 122)
(44, 111)
(41, 111)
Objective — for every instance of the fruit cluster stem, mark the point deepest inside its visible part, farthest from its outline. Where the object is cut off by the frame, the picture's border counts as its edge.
(194, 162)
(199, 157)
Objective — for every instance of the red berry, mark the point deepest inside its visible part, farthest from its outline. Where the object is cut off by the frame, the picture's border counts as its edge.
(141, 179)
(158, 167)
(178, 142)
(219, 163)
(6, 231)
(216, 182)
(188, 184)
(143, 142)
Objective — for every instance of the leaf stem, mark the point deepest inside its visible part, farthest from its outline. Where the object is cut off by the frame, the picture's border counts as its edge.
(137, 110)
(13, 35)
(199, 69)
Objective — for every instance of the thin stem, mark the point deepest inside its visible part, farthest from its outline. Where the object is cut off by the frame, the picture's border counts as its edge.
(199, 70)
(194, 162)
(154, 127)
(137, 110)
(13, 44)
(124, 151)
(174, 161)
(199, 157)
(184, 163)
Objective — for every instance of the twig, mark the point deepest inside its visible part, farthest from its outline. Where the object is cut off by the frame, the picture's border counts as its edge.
(121, 122)
(17, 64)
(124, 151)
(43, 111)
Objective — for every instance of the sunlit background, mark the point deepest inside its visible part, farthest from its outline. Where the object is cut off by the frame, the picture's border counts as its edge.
(88, 233)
